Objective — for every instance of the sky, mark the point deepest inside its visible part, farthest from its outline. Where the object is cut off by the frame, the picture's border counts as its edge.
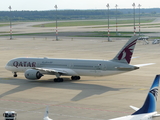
(74, 4)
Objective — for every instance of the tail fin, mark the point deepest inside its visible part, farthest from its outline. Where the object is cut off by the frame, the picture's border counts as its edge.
(125, 54)
(46, 115)
(150, 102)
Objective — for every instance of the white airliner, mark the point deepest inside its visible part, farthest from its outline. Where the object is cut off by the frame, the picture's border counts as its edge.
(35, 68)
(46, 115)
(148, 110)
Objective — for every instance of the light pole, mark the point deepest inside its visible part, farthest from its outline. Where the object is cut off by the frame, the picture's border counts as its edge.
(56, 22)
(116, 21)
(134, 18)
(10, 22)
(108, 23)
(139, 20)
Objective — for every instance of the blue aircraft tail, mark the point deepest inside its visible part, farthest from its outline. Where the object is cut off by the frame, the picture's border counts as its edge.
(150, 102)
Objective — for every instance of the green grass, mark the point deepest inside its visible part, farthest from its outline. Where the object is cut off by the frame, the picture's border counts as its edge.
(14, 34)
(1, 25)
(4, 32)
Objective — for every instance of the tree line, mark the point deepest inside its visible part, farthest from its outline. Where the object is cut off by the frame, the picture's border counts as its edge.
(72, 14)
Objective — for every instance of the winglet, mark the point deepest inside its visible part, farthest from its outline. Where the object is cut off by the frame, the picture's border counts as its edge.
(46, 115)
(150, 102)
(125, 54)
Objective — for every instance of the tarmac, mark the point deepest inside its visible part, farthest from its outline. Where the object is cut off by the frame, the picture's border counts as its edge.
(91, 98)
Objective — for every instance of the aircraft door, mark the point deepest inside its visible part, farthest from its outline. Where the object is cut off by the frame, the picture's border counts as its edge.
(104, 67)
(101, 67)
(70, 65)
(98, 69)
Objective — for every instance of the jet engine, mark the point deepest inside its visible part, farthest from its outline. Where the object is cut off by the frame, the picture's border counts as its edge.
(32, 74)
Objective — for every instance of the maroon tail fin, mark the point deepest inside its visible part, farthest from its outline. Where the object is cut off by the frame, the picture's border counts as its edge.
(125, 54)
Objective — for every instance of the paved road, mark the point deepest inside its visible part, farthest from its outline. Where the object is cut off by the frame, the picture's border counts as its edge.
(91, 98)
(27, 27)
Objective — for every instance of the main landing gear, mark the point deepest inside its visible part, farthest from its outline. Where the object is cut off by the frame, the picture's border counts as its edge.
(72, 78)
(58, 79)
(75, 78)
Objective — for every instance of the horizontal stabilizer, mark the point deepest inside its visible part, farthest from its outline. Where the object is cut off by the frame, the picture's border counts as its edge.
(141, 65)
(134, 108)
(156, 115)
(47, 118)
(46, 115)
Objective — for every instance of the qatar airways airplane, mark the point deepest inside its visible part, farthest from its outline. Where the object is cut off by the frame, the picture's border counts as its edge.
(35, 68)
(148, 110)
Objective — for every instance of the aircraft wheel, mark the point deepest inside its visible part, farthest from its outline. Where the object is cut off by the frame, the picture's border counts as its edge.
(75, 77)
(15, 74)
(78, 77)
(61, 79)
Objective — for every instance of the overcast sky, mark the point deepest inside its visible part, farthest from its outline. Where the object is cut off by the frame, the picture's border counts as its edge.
(74, 4)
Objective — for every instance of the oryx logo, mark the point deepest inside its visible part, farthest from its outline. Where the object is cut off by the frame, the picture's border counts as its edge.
(154, 91)
(127, 52)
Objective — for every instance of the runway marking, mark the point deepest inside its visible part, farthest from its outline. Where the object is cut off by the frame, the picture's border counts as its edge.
(64, 106)
(143, 89)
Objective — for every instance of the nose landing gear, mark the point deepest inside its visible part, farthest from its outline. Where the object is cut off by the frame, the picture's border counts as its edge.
(15, 74)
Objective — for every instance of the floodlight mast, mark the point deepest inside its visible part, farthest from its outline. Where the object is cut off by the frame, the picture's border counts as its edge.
(108, 23)
(134, 18)
(10, 23)
(116, 21)
(139, 20)
(56, 23)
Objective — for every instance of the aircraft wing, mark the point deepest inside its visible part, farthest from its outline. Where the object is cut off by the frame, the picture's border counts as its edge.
(141, 65)
(61, 71)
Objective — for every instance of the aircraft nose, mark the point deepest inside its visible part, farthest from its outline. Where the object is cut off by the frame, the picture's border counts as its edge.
(8, 65)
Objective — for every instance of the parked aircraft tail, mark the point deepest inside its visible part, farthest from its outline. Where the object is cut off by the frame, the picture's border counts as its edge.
(46, 115)
(125, 54)
(149, 105)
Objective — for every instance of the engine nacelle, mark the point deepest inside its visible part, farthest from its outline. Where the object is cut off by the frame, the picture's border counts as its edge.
(32, 74)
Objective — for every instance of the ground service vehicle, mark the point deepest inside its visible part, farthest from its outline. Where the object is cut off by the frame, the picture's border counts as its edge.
(10, 115)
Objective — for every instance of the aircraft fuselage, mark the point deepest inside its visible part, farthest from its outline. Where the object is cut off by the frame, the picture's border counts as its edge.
(73, 67)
